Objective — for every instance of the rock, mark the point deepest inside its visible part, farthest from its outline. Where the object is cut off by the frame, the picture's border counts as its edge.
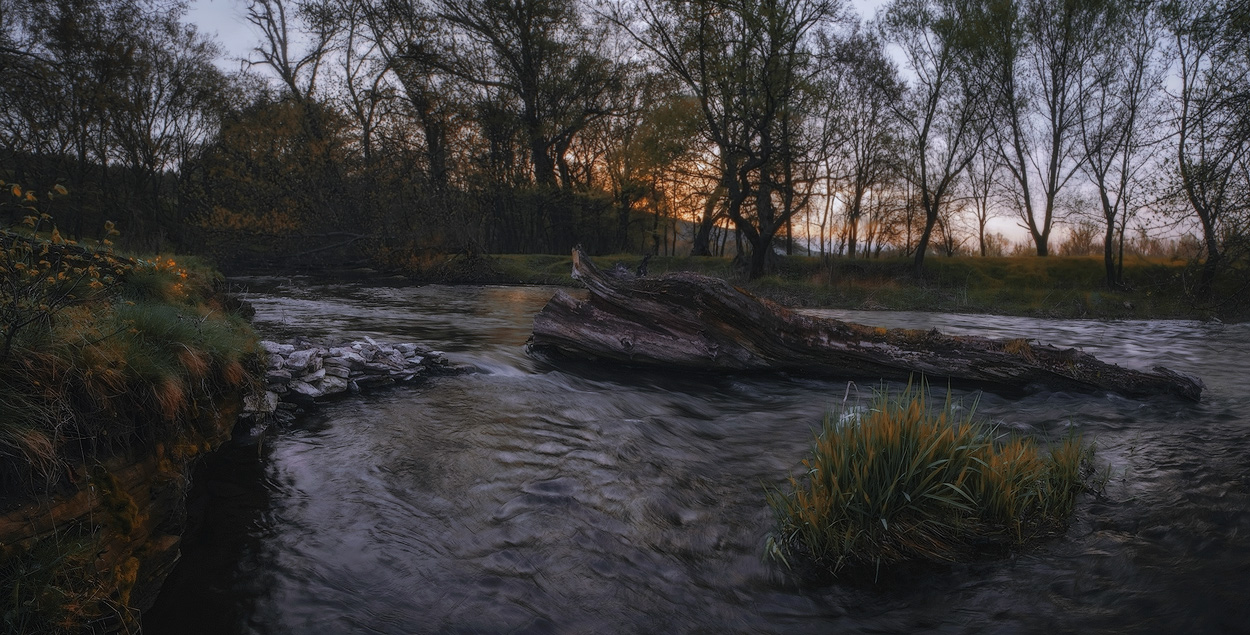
(278, 376)
(311, 378)
(303, 388)
(373, 368)
(354, 359)
(374, 381)
(334, 385)
(299, 360)
(264, 402)
(336, 371)
(276, 348)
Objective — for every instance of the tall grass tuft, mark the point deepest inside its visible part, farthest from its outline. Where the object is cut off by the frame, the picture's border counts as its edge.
(906, 479)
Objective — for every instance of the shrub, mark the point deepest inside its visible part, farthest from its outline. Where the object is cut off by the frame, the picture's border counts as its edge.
(905, 480)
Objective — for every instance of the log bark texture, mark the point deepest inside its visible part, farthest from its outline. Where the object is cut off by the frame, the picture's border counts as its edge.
(687, 321)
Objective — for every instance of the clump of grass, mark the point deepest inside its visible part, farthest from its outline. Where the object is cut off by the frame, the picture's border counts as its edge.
(907, 480)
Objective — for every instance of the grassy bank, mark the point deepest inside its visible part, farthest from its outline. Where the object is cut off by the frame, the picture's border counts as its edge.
(905, 479)
(1058, 286)
(108, 361)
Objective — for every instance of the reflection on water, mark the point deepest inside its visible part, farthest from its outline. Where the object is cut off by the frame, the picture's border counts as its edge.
(525, 498)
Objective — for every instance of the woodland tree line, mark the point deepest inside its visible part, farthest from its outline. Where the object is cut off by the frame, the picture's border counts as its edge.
(396, 129)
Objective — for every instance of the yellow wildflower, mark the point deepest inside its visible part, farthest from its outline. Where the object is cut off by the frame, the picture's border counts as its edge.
(56, 237)
(16, 190)
(30, 196)
(60, 189)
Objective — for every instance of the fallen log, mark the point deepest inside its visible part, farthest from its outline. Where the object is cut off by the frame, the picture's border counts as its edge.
(687, 321)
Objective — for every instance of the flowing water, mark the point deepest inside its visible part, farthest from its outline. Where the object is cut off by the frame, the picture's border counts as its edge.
(531, 498)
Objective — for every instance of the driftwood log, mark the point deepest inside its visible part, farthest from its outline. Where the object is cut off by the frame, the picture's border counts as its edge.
(687, 321)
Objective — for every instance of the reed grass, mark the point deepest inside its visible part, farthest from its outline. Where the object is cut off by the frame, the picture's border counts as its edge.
(907, 479)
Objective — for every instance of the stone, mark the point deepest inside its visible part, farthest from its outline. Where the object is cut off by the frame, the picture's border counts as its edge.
(336, 371)
(298, 361)
(374, 381)
(264, 402)
(276, 348)
(314, 377)
(378, 369)
(278, 376)
(305, 389)
(334, 385)
(354, 359)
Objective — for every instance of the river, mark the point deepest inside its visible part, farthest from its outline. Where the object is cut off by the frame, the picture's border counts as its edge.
(526, 498)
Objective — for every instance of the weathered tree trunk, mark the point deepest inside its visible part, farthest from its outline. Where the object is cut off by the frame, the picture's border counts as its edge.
(686, 321)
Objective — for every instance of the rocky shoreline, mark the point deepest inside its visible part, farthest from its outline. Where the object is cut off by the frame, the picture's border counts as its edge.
(131, 509)
(302, 373)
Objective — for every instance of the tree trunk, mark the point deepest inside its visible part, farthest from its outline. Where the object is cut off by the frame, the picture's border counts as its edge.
(685, 321)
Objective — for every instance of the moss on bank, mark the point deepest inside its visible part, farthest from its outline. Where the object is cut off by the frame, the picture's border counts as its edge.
(121, 369)
(1057, 286)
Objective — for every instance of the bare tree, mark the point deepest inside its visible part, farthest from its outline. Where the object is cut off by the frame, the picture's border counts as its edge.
(943, 109)
(282, 21)
(864, 150)
(1211, 108)
(1041, 49)
(1121, 101)
(981, 185)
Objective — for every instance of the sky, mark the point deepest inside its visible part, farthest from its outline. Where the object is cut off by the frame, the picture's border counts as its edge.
(224, 20)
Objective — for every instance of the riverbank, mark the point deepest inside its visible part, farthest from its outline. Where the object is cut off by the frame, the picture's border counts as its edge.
(1053, 287)
(117, 372)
